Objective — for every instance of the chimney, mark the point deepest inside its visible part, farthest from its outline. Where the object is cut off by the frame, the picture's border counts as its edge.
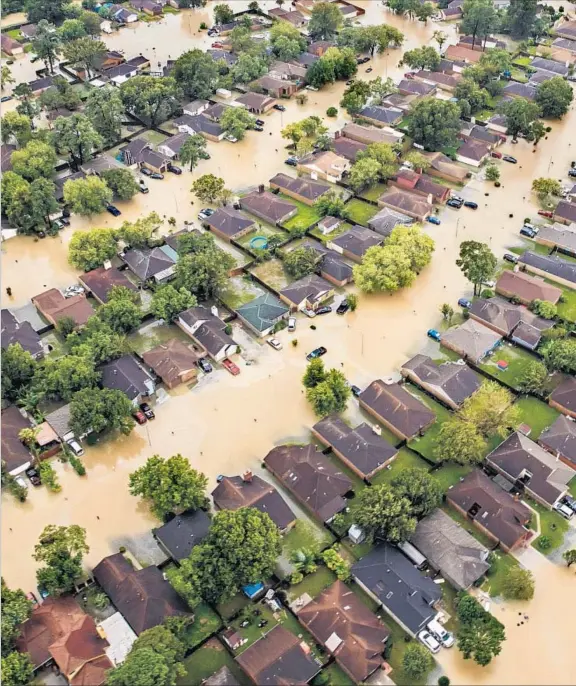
(247, 476)
(261, 188)
(337, 134)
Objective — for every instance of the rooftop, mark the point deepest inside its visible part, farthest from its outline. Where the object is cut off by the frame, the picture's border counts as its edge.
(171, 359)
(450, 381)
(527, 287)
(561, 439)
(229, 221)
(565, 394)
(357, 240)
(182, 533)
(268, 206)
(550, 264)
(311, 190)
(21, 333)
(472, 339)
(100, 281)
(310, 288)
(263, 311)
(54, 306)
(15, 454)
(126, 375)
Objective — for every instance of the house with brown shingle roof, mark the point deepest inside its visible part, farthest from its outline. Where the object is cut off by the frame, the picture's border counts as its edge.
(443, 167)
(256, 102)
(174, 362)
(21, 333)
(492, 510)
(420, 184)
(471, 340)
(447, 82)
(413, 205)
(381, 116)
(15, 455)
(367, 134)
(303, 189)
(472, 152)
(560, 440)
(566, 29)
(414, 87)
(229, 224)
(268, 206)
(275, 87)
(311, 478)
(340, 621)
(563, 398)
(325, 165)
(53, 306)
(249, 490)
(11, 46)
(565, 212)
(526, 288)
(354, 243)
(460, 53)
(102, 280)
(348, 148)
(361, 449)
(309, 292)
(208, 331)
(401, 412)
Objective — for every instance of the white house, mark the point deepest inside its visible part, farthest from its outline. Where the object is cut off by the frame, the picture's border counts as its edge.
(208, 331)
(121, 73)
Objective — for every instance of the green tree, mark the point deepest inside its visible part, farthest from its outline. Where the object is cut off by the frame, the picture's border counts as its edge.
(105, 110)
(521, 15)
(570, 557)
(479, 19)
(168, 302)
(518, 584)
(520, 114)
(170, 485)
(60, 549)
(469, 91)
(301, 261)
(36, 160)
(47, 43)
(208, 187)
(434, 123)
(537, 131)
(144, 667)
(71, 29)
(384, 514)
(122, 312)
(139, 233)
(204, 273)
(16, 609)
(419, 161)
(151, 98)
(459, 441)
(417, 245)
(384, 268)
(315, 373)
(197, 74)
(560, 355)
(491, 410)
(284, 36)
(121, 182)
(52, 11)
(6, 79)
(425, 11)
(304, 560)
(90, 249)
(356, 96)
(75, 136)
(543, 308)
(87, 196)
(334, 561)
(440, 37)
(60, 95)
(330, 204)
(223, 14)
(16, 127)
(545, 187)
(28, 206)
(63, 376)
(447, 312)
(85, 53)
(329, 396)
(95, 409)
(194, 150)
(26, 103)
(384, 155)
(242, 547)
(96, 341)
(18, 369)
(481, 634)
(17, 670)
(554, 97)
(417, 661)
(419, 487)
(492, 172)
(364, 173)
(248, 68)
(422, 58)
(533, 377)
(325, 21)
(91, 22)
(236, 121)
(477, 262)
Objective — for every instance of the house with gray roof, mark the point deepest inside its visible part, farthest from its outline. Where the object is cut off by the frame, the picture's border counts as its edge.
(263, 313)
(182, 533)
(20, 333)
(126, 374)
(102, 280)
(560, 440)
(565, 212)
(551, 66)
(151, 263)
(268, 207)
(386, 220)
(229, 224)
(208, 331)
(308, 292)
(367, 134)
(256, 102)
(354, 243)
(472, 340)
(303, 189)
(550, 267)
(171, 146)
(413, 205)
(348, 148)
(200, 124)
(381, 116)
(520, 90)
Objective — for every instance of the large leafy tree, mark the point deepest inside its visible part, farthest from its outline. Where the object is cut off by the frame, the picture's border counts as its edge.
(223, 14)
(520, 17)
(469, 91)
(481, 634)
(170, 485)
(208, 187)
(384, 155)
(16, 609)
(85, 53)
(385, 514)
(330, 204)
(301, 261)
(384, 268)
(60, 549)
(419, 487)
(60, 95)
(434, 123)
(168, 302)
(331, 395)
(459, 441)
(18, 369)
(422, 58)
(325, 21)
(50, 10)
(76, 137)
(17, 670)
(520, 115)
(194, 150)
(16, 128)
(417, 245)
(518, 584)
(153, 99)
(554, 97)
(315, 373)
(47, 43)
(560, 355)
(533, 377)
(139, 233)
(61, 378)
(72, 29)
(491, 410)
(197, 74)
(6, 77)
(241, 548)
(287, 42)
(97, 341)
(236, 121)
(36, 160)
(477, 262)
(203, 273)
(88, 196)
(95, 409)
(479, 20)
(26, 103)
(28, 206)
(105, 111)
(364, 173)
(121, 182)
(90, 249)
(122, 312)
(417, 661)
(248, 68)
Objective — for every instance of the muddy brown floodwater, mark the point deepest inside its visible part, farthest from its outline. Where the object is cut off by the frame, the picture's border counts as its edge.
(227, 424)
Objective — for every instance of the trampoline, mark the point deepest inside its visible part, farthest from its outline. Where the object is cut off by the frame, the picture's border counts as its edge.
(259, 243)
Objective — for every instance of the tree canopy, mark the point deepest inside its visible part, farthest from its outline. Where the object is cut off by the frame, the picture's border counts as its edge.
(481, 634)
(105, 110)
(434, 123)
(301, 261)
(236, 121)
(325, 21)
(90, 249)
(422, 58)
(121, 182)
(95, 409)
(168, 302)
(422, 489)
(194, 150)
(88, 196)
(151, 98)
(554, 97)
(477, 262)
(16, 608)
(385, 514)
(60, 549)
(197, 74)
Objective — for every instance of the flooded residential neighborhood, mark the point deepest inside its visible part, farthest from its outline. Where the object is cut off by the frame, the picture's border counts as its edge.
(225, 421)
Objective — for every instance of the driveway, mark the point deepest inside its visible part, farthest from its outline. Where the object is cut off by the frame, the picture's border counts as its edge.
(531, 559)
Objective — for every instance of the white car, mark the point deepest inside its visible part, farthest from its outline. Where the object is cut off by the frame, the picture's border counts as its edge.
(75, 447)
(231, 138)
(73, 290)
(291, 323)
(275, 343)
(439, 632)
(309, 313)
(564, 510)
(429, 641)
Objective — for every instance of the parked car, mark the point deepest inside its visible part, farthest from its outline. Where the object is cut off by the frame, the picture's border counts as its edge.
(157, 175)
(311, 88)
(432, 333)
(5, 98)
(114, 211)
(259, 122)
(61, 222)
(139, 416)
(231, 138)
(280, 108)
(324, 310)
(205, 213)
(32, 598)
(509, 158)
(464, 302)
(572, 173)
(455, 202)
(365, 59)
(258, 128)
(231, 367)
(434, 220)
(317, 352)
(148, 411)
(356, 390)
(142, 186)
(75, 447)
(291, 324)
(446, 638)
(74, 289)
(369, 70)
(527, 231)
(274, 343)
(509, 257)
(429, 641)
(145, 171)
(570, 502)
(546, 213)
(409, 75)
(217, 45)
(343, 307)
(20, 481)
(291, 162)
(497, 155)
(34, 476)
(309, 313)
(204, 365)
(564, 510)
(173, 169)
(471, 205)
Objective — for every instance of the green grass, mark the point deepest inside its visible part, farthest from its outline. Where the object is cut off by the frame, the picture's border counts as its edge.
(207, 660)
(261, 230)
(519, 75)
(332, 675)
(425, 444)
(484, 115)
(153, 137)
(536, 414)
(567, 308)
(232, 606)
(206, 622)
(374, 192)
(517, 359)
(450, 474)
(449, 594)
(572, 487)
(499, 568)
(168, 9)
(239, 291)
(552, 525)
(522, 61)
(359, 212)
(345, 226)
(306, 534)
(306, 216)
(272, 274)
(404, 460)
(399, 644)
(313, 584)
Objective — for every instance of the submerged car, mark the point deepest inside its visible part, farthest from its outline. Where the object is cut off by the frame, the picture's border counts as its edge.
(464, 302)
(280, 108)
(173, 169)
(291, 162)
(509, 158)
(139, 416)
(231, 367)
(148, 411)
(471, 205)
(205, 213)
(317, 352)
(259, 122)
(204, 365)
(432, 333)
(455, 202)
(114, 211)
(145, 171)
(324, 310)
(434, 220)
(343, 307)
(157, 175)
(34, 476)
(274, 343)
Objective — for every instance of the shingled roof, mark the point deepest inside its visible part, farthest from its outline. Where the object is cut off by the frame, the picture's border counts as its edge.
(560, 438)
(229, 222)
(15, 454)
(182, 533)
(311, 190)
(263, 311)
(100, 282)
(526, 287)
(451, 382)
(21, 333)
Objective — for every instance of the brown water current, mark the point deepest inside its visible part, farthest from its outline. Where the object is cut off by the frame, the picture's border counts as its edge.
(227, 424)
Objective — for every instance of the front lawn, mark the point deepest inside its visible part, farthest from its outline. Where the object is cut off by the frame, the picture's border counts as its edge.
(359, 212)
(552, 525)
(206, 622)
(397, 640)
(517, 358)
(522, 60)
(307, 216)
(374, 192)
(567, 305)
(425, 444)
(536, 414)
(313, 584)
(207, 660)
(500, 565)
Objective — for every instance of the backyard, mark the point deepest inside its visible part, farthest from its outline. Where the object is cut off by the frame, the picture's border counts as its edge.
(207, 660)
(374, 192)
(264, 230)
(500, 565)
(307, 216)
(359, 212)
(206, 622)
(313, 584)
(272, 274)
(324, 238)
(517, 358)
(238, 291)
(425, 445)
(332, 675)
(536, 414)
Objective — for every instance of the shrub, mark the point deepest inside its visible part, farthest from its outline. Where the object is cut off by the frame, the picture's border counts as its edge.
(336, 563)
(228, 330)
(487, 293)
(203, 26)
(544, 542)
(77, 465)
(296, 578)
(49, 477)
(295, 342)
(443, 681)
(331, 112)
(352, 299)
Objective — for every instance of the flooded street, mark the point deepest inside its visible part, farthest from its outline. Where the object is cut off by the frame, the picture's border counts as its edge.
(227, 424)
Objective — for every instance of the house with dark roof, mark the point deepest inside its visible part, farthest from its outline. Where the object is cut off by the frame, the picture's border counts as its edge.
(444, 168)
(309, 293)
(381, 116)
(401, 412)
(53, 306)
(549, 267)
(566, 29)
(340, 621)
(450, 550)
(565, 212)
(520, 90)
(311, 478)
(531, 468)
(446, 82)
(563, 397)
(393, 581)
(482, 134)
(302, 189)
(174, 362)
(558, 236)
(229, 224)
(102, 280)
(38, 86)
(275, 87)
(415, 87)
(348, 148)
(560, 440)
(268, 207)
(331, 266)
(171, 146)
(20, 333)
(138, 152)
(498, 123)
(127, 375)
(279, 657)
(15, 455)
(361, 449)
(256, 102)
(249, 490)
(472, 340)
(147, 6)
(492, 510)
(386, 220)
(451, 382)
(208, 331)
(11, 46)
(526, 288)
(120, 73)
(157, 264)
(142, 596)
(421, 184)
(200, 124)
(550, 66)
(184, 531)
(410, 204)
(263, 313)
(354, 243)
(472, 152)
(222, 677)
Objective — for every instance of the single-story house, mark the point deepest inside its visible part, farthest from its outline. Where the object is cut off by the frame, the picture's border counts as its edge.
(560, 440)
(221, 677)
(472, 152)
(174, 362)
(325, 165)
(306, 59)
(503, 316)
(171, 146)
(558, 44)
(296, 18)
(526, 288)
(361, 449)
(99, 164)
(413, 205)
(208, 331)
(450, 550)
(451, 382)
(563, 398)
(347, 629)
(460, 53)
(366, 134)
(519, 90)
(331, 266)
(566, 29)
(263, 313)
(139, 152)
(151, 263)
(348, 148)
(498, 123)
(249, 490)
(483, 134)
(420, 184)
(53, 306)
(99, 282)
(123, 15)
(565, 212)
(15, 455)
(401, 412)
(302, 189)
(393, 581)
(219, 55)
(492, 510)
(211, 130)
(328, 224)
(29, 31)
(229, 224)
(216, 110)
(415, 87)
(141, 62)
(386, 220)
(381, 116)
(182, 533)
(318, 47)
(196, 107)
(11, 46)
(550, 267)
(531, 468)
(59, 422)
(276, 87)
(126, 374)
(403, 101)
(311, 478)
(308, 292)
(20, 333)
(451, 12)
(354, 243)
(267, 206)
(445, 168)
(38, 86)
(551, 66)
(149, 7)
(288, 71)
(472, 340)
(256, 102)
(143, 596)
(447, 82)
(120, 73)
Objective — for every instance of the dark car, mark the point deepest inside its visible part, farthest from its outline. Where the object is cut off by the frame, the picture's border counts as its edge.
(454, 202)
(509, 257)
(324, 310)
(356, 391)
(572, 173)
(157, 175)
(317, 352)
(464, 302)
(509, 158)
(140, 417)
(258, 128)
(205, 213)
(173, 169)
(6, 98)
(369, 70)
(204, 365)
(148, 411)
(570, 501)
(145, 171)
(114, 211)
(280, 108)
(343, 307)
(471, 205)
(259, 122)
(291, 162)
(34, 477)
(527, 231)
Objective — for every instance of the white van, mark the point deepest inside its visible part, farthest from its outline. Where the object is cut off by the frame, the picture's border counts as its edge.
(437, 630)
(291, 323)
